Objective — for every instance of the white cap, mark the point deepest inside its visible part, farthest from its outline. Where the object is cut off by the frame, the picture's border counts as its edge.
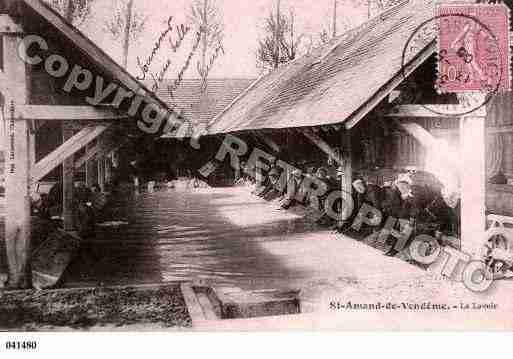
(359, 180)
(404, 177)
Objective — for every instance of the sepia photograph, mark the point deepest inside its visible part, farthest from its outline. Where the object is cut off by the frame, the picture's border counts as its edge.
(255, 166)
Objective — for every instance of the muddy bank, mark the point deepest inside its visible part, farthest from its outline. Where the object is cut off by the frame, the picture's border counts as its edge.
(85, 308)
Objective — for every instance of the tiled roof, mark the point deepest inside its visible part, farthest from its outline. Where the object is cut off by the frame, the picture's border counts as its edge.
(332, 83)
(194, 107)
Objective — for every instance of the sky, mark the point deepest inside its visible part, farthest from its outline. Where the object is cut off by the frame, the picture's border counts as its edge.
(243, 23)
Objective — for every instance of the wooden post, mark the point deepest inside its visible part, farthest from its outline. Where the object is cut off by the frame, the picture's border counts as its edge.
(101, 172)
(346, 181)
(32, 147)
(473, 183)
(108, 168)
(17, 171)
(68, 169)
(32, 153)
(347, 165)
(90, 173)
(323, 146)
(89, 169)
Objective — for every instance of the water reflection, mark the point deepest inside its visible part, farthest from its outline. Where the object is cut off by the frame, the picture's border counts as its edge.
(214, 235)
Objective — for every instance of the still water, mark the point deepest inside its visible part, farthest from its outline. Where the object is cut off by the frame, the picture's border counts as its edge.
(215, 236)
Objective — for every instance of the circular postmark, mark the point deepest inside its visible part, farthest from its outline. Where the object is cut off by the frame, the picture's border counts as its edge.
(469, 62)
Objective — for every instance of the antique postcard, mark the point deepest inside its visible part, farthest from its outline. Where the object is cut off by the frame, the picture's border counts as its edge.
(266, 165)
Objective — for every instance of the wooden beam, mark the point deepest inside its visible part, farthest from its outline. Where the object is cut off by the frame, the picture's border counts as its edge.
(101, 172)
(423, 136)
(347, 167)
(107, 144)
(89, 166)
(499, 129)
(32, 153)
(17, 159)
(326, 148)
(32, 148)
(390, 86)
(68, 148)
(70, 113)
(268, 141)
(448, 131)
(88, 155)
(68, 173)
(429, 111)
(489, 130)
(108, 169)
(443, 162)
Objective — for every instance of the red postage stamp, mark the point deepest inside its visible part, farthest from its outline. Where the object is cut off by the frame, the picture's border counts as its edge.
(473, 48)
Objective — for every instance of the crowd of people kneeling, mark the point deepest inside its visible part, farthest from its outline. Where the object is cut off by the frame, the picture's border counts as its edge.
(428, 209)
(88, 207)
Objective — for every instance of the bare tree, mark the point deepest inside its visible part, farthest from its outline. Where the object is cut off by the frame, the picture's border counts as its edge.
(74, 11)
(324, 35)
(206, 18)
(280, 43)
(334, 21)
(371, 5)
(376, 4)
(127, 23)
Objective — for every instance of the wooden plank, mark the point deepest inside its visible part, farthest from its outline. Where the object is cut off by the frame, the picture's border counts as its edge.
(89, 169)
(193, 305)
(17, 170)
(347, 179)
(442, 160)
(108, 168)
(101, 172)
(9, 26)
(326, 148)
(207, 306)
(70, 113)
(419, 133)
(52, 257)
(237, 303)
(268, 141)
(32, 148)
(101, 149)
(390, 86)
(428, 111)
(499, 129)
(68, 172)
(489, 130)
(346, 182)
(87, 157)
(68, 148)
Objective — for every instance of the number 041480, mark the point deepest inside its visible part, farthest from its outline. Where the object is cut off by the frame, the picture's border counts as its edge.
(14, 345)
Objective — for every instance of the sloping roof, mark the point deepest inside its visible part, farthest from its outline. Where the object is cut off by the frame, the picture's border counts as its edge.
(188, 97)
(89, 48)
(335, 81)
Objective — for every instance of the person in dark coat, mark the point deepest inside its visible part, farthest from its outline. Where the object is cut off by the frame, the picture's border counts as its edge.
(365, 193)
(362, 193)
(272, 189)
(321, 175)
(263, 184)
(55, 200)
(293, 187)
(400, 202)
(83, 211)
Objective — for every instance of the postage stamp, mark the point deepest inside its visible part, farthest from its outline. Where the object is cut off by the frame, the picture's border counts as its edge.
(473, 48)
